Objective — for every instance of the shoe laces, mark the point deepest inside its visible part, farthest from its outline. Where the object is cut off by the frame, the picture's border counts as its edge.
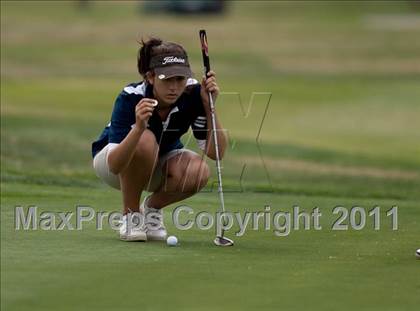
(154, 218)
(135, 221)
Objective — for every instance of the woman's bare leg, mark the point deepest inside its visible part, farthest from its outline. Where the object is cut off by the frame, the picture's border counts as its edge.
(138, 173)
(185, 175)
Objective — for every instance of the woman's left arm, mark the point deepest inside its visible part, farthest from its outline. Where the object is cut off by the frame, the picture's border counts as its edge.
(210, 85)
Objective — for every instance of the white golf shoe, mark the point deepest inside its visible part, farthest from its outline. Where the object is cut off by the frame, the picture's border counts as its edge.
(132, 228)
(155, 229)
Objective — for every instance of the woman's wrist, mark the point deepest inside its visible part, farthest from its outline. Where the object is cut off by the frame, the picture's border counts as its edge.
(137, 131)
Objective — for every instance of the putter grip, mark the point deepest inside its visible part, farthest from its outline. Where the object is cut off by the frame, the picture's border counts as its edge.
(205, 50)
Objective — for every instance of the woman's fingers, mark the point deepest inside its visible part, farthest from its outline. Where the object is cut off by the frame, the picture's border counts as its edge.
(147, 102)
(145, 115)
(144, 109)
(211, 79)
(211, 83)
(211, 73)
(212, 86)
(211, 76)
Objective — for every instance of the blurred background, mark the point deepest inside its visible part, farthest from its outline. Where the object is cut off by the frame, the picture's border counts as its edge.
(344, 79)
(321, 101)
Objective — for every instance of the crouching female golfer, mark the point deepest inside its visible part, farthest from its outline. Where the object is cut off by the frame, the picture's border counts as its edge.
(140, 149)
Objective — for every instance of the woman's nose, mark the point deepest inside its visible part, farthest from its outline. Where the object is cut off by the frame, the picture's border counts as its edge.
(170, 83)
(173, 85)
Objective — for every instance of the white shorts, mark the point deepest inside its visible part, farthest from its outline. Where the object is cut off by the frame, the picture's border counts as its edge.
(100, 165)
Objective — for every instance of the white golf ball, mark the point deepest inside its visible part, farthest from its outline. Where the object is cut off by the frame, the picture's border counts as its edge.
(418, 253)
(172, 240)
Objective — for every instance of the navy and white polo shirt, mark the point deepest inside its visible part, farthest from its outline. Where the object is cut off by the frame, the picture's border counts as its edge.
(186, 112)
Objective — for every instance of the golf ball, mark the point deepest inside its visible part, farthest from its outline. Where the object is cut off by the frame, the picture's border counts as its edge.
(418, 253)
(172, 240)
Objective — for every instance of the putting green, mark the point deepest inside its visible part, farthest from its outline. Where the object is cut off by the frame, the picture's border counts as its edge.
(341, 129)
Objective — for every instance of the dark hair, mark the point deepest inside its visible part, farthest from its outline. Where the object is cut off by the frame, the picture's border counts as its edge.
(152, 47)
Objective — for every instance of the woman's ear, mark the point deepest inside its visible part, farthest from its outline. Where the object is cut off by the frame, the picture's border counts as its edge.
(150, 77)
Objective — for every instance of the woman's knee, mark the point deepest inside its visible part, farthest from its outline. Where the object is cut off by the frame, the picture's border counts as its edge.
(189, 175)
(145, 157)
(198, 174)
(174, 174)
(147, 148)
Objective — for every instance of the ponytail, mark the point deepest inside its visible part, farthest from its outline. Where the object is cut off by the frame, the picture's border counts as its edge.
(145, 54)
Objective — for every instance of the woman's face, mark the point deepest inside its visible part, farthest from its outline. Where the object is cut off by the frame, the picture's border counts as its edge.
(167, 91)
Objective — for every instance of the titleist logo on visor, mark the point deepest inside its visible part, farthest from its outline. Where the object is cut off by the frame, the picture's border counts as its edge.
(173, 59)
(169, 60)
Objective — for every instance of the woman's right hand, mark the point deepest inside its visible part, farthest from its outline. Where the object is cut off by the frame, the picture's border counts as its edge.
(144, 110)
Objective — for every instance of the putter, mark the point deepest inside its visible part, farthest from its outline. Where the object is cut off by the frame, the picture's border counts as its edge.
(220, 240)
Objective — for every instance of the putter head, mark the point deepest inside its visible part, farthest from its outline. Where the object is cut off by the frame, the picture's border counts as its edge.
(223, 241)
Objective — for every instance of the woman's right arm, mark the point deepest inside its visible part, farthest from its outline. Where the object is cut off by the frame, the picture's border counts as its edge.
(120, 156)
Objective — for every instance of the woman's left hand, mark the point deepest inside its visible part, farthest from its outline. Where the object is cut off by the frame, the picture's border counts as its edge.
(209, 85)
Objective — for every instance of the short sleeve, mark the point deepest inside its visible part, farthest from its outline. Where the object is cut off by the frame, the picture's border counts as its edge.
(123, 117)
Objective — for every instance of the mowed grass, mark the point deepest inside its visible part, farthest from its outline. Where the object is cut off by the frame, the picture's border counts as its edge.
(341, 128)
